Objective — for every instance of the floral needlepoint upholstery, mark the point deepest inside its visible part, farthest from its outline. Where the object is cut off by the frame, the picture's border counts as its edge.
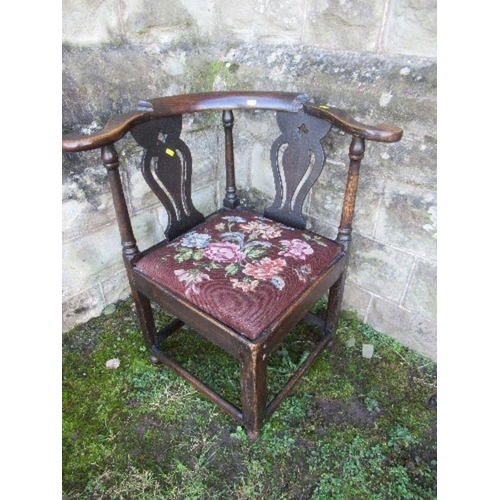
(242, 269)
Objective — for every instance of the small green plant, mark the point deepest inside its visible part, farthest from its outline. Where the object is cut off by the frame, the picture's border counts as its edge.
(400, 436)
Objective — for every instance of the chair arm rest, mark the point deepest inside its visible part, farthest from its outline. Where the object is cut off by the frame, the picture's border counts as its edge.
(114, 130)
(342, 120)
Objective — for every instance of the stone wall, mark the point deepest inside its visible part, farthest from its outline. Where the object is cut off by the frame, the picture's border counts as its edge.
(376, 59)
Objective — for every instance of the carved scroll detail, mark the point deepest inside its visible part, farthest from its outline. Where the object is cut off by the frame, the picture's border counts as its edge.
(167, 168)
(297, 159)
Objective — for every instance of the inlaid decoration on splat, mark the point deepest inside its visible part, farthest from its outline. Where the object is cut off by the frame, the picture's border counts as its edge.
(167, 168)
(297, 158)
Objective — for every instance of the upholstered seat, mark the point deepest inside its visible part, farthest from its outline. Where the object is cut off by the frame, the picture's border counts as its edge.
(242, 269)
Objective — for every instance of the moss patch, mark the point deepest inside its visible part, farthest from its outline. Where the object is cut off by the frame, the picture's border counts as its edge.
(354, 428)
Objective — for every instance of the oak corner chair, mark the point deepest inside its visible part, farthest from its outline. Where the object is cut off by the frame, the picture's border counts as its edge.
(241, 279)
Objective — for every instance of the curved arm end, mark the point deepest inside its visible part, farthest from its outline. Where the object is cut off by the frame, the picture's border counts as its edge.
(379, 133)
(114, 130)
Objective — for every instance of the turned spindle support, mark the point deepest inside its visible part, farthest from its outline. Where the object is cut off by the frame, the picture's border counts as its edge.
(231, 199)
(110, 160)
(356, 153)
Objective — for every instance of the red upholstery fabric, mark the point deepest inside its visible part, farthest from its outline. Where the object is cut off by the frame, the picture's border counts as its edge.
(242, 269)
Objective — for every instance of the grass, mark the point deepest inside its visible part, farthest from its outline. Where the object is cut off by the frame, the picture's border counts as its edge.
(354, 428)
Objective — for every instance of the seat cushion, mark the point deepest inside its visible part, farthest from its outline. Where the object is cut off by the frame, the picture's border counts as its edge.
(242, 269)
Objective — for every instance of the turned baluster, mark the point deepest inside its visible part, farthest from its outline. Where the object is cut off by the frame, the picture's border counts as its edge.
(231, 199)
(110, 160)
(344, 236)
(356, 153)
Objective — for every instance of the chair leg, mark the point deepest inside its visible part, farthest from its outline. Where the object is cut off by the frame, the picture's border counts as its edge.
(253, 370)
(334, 302)
(146, 320)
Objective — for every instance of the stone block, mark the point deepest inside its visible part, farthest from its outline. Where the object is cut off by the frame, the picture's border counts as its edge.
(90, 23)
(115, 287)
(262, 21)
(409, 328)
(86, 259)
(161, 23)
(97, 84)
(84, 178)
(96, 256)
(375, 88)
(412, 27)
(80, 217)
(321, 227)
(422, 291)
(141, 196)
(344, 24)
(81, 307)
(378, 268)
(356, 300)
(412, 160)
(408, 218)
(328, 194)
(254, 137)
(146, 228)
(207, 148)
(205, 199)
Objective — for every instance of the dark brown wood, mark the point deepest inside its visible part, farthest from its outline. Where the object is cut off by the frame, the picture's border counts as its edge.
(297, 159)
(253, 370)
(302, 161)
(219, 101)
(334, 302)
(130, 251)
(315, 321)
(110, 160)
(112, 132)
(231, 200)
(345, 122)
(169, 329)
(167, 168)
(356, 153)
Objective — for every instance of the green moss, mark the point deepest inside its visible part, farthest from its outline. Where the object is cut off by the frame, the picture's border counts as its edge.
(353, 427)
(213, 75)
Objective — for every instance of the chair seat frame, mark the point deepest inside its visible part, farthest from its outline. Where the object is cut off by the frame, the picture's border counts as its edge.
(252, 355)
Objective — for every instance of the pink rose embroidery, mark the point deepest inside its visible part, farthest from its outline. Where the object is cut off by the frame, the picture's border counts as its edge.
(223, 252)
(266, 269)
(296, 249)
(192, 279)
(261, 230)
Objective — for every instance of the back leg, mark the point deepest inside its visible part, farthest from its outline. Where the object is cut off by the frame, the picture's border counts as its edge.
(335, 297)
(146, 321)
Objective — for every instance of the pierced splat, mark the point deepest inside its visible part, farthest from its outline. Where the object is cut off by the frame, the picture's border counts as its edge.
(167, 168)
(297, 158)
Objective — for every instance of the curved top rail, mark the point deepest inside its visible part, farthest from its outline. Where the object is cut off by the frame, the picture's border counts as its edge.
(219, 101)
(160, 107)
(342, 120)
